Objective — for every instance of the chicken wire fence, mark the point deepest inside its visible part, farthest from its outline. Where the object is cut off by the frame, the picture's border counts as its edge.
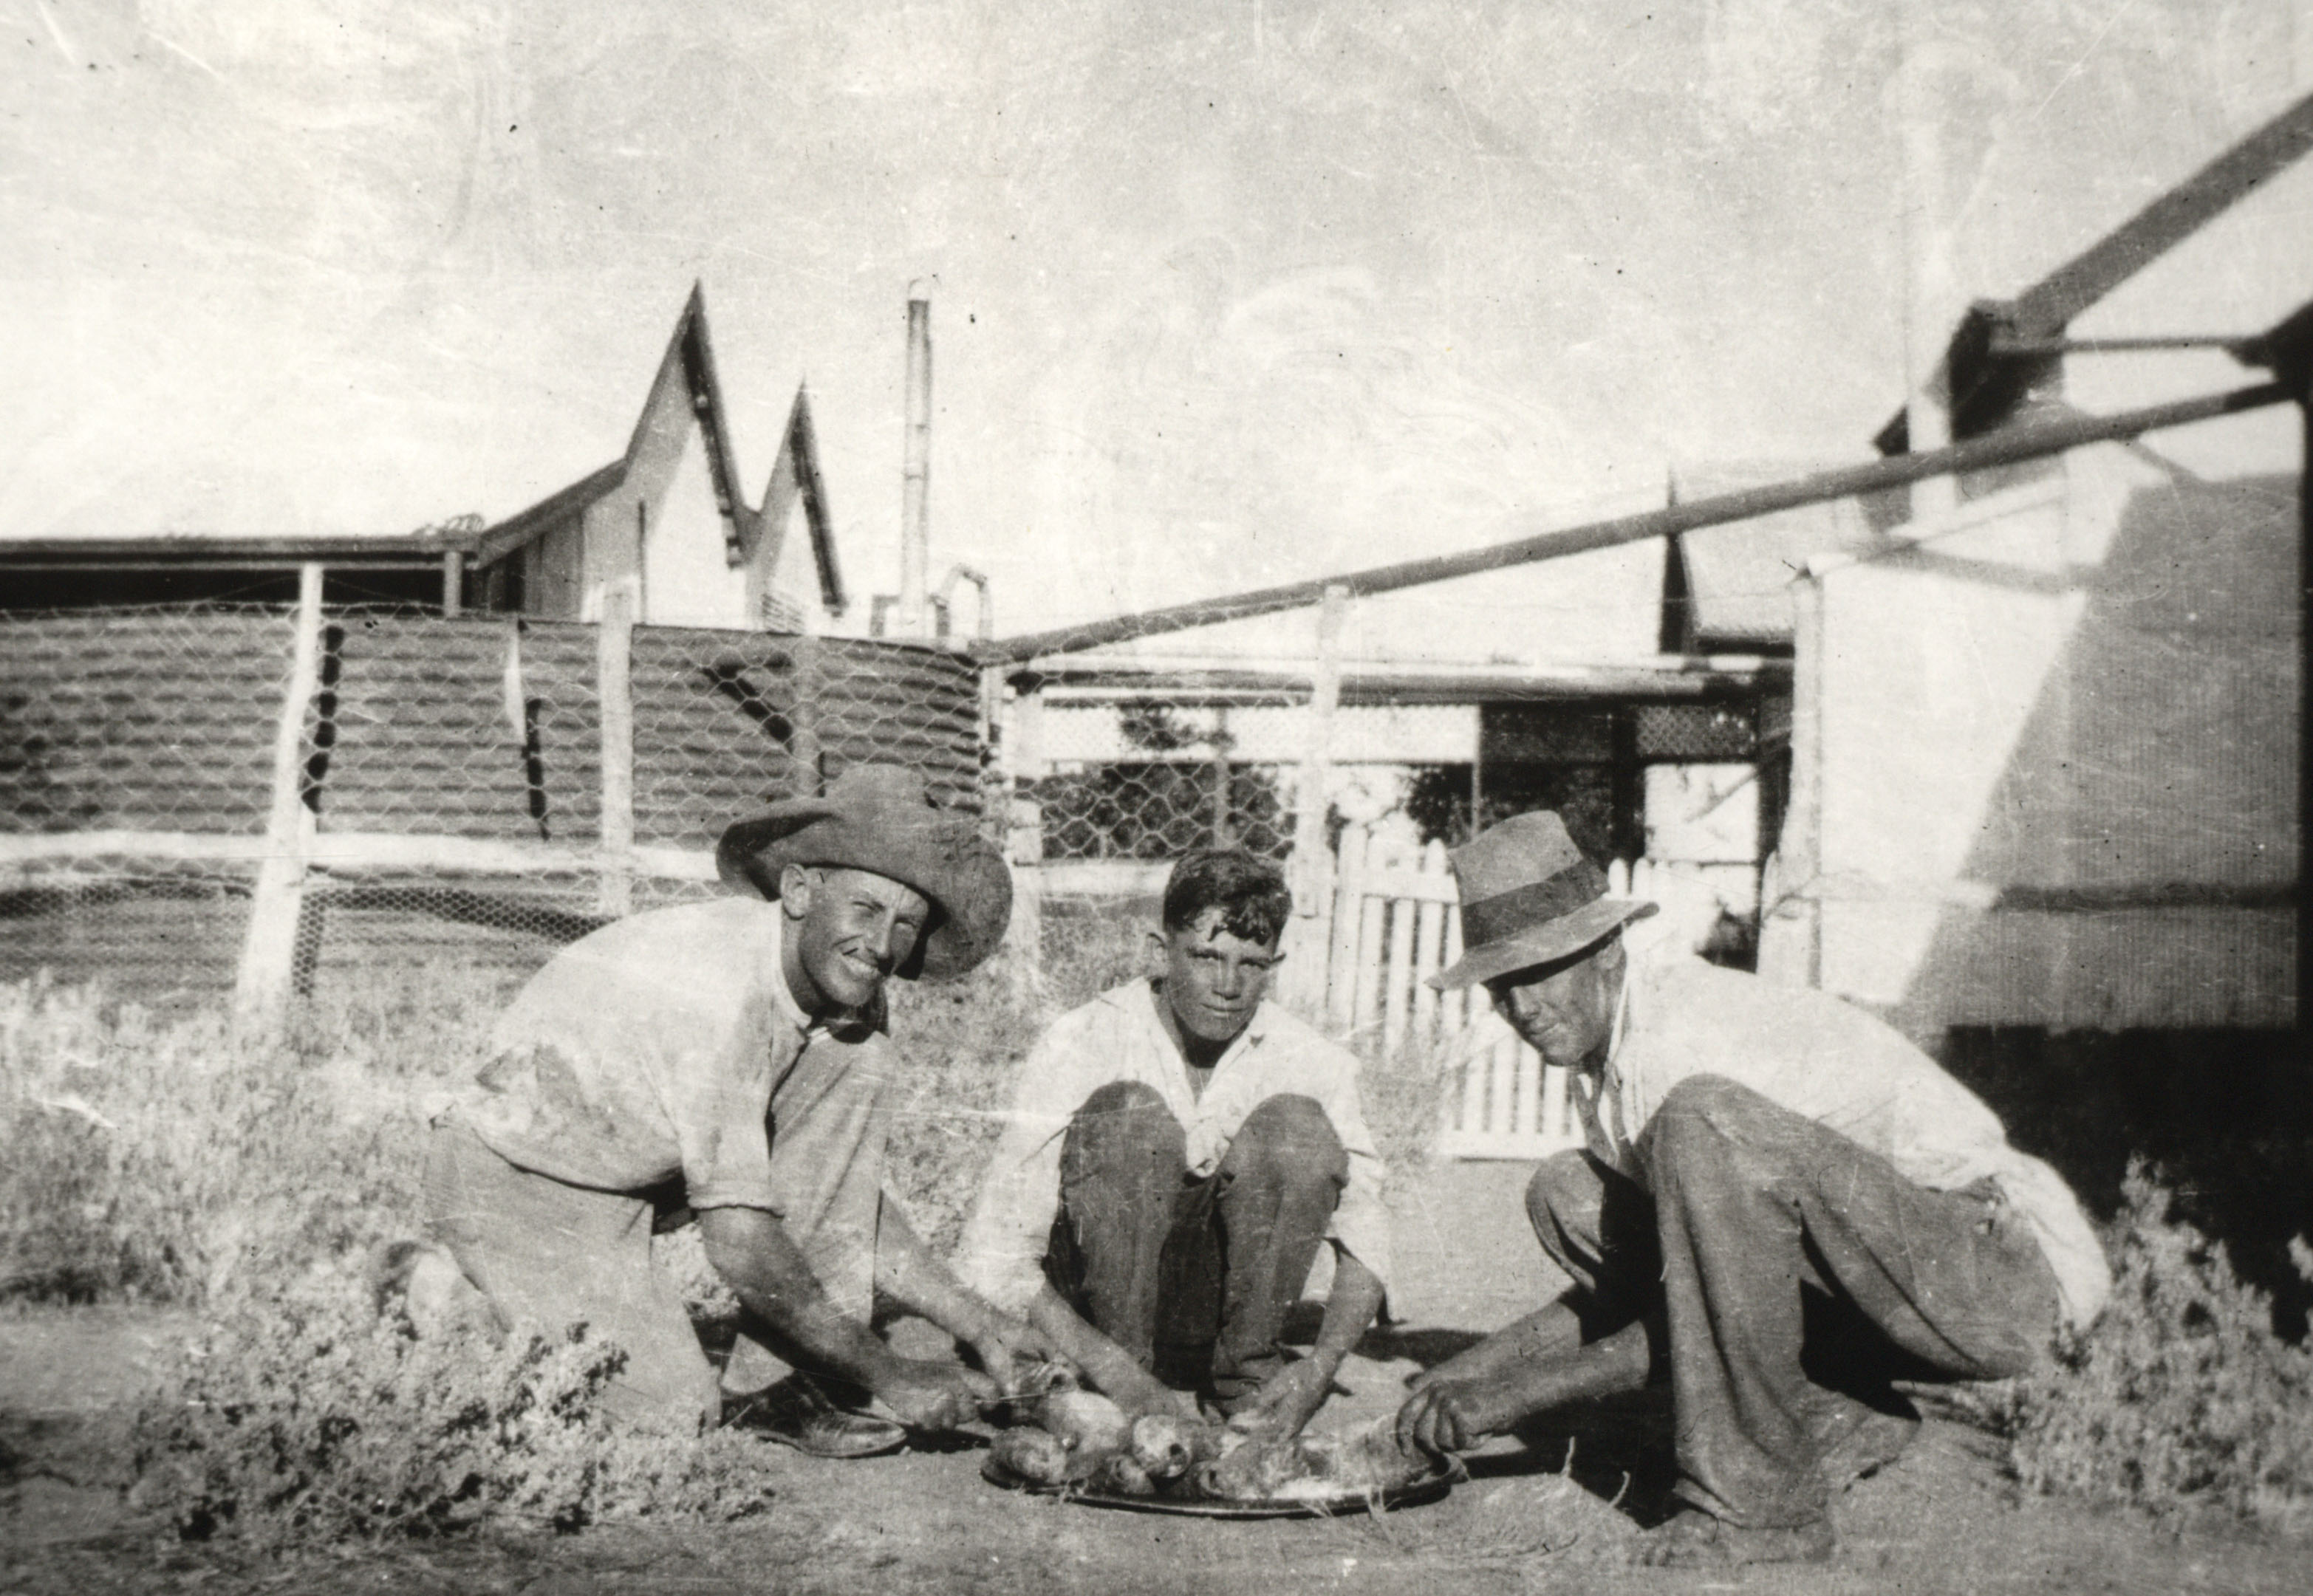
(1146, 775)
(406, 788)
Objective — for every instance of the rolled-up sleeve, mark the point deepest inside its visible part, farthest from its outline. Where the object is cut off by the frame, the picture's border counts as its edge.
(716, 1094)
(1011, 1222)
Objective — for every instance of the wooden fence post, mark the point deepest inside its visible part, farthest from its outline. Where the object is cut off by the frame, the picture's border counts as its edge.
(1224, 825)
(1791, 914)
(1370, 911)
(614, 687)
(805, 754)
(1342, 944)
(1429, 945)
(1020, 753)
(1308, 939)
(268, 954)
(1398, 979)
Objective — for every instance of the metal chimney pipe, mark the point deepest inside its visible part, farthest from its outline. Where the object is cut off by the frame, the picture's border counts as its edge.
(915, 533)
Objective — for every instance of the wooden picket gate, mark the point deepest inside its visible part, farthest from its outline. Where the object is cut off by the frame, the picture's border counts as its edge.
(1392, 926)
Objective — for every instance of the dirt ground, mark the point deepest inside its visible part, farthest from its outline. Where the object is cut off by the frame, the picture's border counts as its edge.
(1940, 1519)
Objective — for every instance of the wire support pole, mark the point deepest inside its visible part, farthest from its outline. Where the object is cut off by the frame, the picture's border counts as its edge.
(2231, 343)
(2049, 305)
(1978, 454)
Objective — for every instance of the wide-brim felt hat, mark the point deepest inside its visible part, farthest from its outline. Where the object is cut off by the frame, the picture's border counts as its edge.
(882, 819)
(1529, 897)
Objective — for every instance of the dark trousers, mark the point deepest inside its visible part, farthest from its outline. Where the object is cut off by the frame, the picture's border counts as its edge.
(1800, 1274)
(1192, 1277)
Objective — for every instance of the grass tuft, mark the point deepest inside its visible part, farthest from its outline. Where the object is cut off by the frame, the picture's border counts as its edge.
(1530, 1529)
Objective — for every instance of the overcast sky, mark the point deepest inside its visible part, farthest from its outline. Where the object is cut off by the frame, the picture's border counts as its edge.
(1226, 294)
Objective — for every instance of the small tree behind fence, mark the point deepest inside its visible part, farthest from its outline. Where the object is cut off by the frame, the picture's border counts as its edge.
(1144, 811)
(1147, 779)
(196, 800)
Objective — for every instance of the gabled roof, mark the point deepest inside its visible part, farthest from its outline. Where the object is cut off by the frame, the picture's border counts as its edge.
(794, 472)
(1726, 589)
(685, 390)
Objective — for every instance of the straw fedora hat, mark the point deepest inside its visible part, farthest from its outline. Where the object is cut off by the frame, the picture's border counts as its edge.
(881, 818)
(1529, 897)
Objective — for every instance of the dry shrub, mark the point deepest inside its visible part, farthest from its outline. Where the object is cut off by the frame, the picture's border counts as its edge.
(179, 1160)
(307, 1419)
(2181, 1399)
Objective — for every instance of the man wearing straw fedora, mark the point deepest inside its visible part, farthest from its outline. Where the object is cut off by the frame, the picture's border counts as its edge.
(728, 1057)
(1783, 1206)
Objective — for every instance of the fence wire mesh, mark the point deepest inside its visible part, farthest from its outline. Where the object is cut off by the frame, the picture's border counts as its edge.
(1114, 782)
(144, 722)
(461, 786)
(449, 778)
(1150, 778)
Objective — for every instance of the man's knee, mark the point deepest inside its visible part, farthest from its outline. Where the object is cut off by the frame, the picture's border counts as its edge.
(1710, 1123)
(1289, 1136)
(1563, 1196)
(1128, 1098)
(1705, 1107)
(1123, 1118)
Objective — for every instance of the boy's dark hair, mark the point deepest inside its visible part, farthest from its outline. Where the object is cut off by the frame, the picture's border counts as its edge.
(1250, 893)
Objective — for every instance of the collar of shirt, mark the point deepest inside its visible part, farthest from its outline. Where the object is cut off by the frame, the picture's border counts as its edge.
(1622, 1014)
(783, 996)
(1201, 1114)
(1184, 1100)
(1607, 1089)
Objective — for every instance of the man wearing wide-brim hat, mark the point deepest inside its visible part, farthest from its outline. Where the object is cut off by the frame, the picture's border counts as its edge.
(1768, 1172)
(728, 1057)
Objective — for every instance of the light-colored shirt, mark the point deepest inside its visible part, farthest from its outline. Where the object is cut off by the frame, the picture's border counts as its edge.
(1839, 1066)
(1119, 1036)
(649, 1050)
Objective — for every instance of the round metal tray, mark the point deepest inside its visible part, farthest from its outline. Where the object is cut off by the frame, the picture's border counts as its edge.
(1413, 1493)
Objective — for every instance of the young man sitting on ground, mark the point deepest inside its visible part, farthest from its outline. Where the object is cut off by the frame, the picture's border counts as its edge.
(1178, 1149)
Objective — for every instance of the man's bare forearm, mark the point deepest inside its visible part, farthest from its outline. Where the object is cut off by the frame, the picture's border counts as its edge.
(1552, 1331)
(1528, 1369)
(908, 1273)
(1350, 1308)
(1548, 1376)
(751, 1251)
(1110, 1369)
